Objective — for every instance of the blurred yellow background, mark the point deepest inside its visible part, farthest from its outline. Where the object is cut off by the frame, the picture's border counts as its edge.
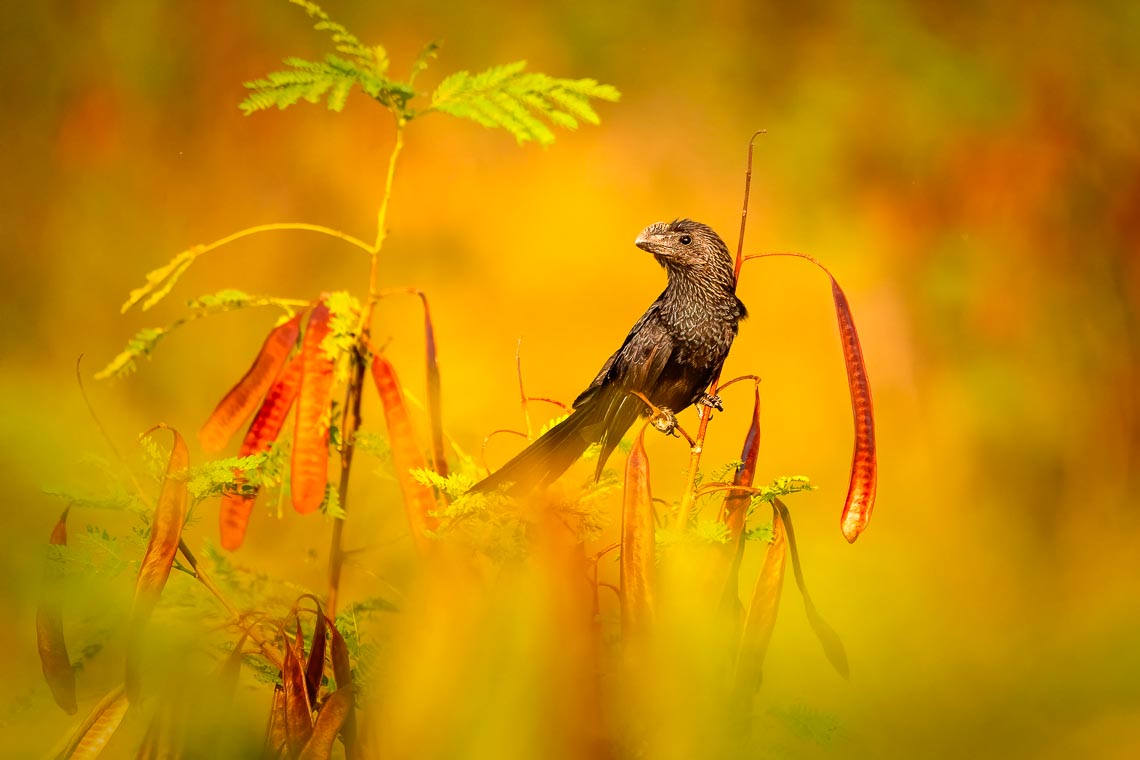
(971, 175)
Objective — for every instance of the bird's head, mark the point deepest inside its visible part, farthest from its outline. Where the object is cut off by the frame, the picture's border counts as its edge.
(685, 247)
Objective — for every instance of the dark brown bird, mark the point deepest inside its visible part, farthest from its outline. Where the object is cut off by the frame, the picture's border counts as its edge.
(671, 355)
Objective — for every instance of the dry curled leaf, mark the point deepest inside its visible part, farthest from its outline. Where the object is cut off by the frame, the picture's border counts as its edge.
(330, 718)
(165, 535)
(50, 642)
(435, 413)
(828, 638)
(315, 666)
(726, 562)
(342, 672)
(765, 604)
(298, 710)
(91, 738)
(275, 739)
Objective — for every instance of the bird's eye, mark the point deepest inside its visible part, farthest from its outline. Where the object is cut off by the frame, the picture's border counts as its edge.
(686, 239)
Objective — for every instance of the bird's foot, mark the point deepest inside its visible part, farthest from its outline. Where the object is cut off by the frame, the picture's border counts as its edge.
(665, 421)
(710, 401)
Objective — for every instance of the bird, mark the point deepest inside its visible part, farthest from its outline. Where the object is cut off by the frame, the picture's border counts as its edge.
(671, 355)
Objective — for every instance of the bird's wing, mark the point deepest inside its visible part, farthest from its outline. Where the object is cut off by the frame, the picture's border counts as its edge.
(607, 373)
(638, 366)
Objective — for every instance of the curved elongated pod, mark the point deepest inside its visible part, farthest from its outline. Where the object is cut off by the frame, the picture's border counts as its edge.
(419, 501)
(310, 464)
(762, 611)
(50, 642)
(864, 468)
(233, 517)
(243, 398)
(92, 737)
(165, 533)
(864, 463)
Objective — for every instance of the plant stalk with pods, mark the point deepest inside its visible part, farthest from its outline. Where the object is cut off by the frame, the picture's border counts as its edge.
(322, 343)
(300, 406)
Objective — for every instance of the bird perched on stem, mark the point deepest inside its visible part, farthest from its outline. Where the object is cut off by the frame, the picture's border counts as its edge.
(670, 356)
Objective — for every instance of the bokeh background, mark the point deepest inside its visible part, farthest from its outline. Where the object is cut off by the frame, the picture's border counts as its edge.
(969, 172)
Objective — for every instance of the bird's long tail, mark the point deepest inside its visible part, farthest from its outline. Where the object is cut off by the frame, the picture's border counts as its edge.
(540, 463)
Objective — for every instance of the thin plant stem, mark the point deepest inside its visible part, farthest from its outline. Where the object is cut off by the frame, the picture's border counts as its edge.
(198, 573)
(350, 422)
(695, 451)
(382, 214)
(283, 226)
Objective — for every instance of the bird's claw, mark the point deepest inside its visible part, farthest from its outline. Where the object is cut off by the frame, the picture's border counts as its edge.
(665, 421)
(710, 401)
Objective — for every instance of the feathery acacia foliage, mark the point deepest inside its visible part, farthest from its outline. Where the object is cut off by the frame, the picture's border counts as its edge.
(509, 97)
(505, 96)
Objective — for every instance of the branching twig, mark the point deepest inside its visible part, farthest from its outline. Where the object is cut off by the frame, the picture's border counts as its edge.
(350, 423)
(198, 573)
(687, 495)
(351, 420)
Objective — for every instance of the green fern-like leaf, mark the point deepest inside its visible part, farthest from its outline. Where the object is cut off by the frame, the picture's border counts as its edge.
(161, 280)
(513, 99)
(430, 51)
(223, 300)
(455, 485)
(332, 78)
(784, 485)
(220, 475)
(345, 41)
(139, 346)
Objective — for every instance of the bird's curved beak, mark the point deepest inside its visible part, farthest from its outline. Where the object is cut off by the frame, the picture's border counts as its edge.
(647, 240)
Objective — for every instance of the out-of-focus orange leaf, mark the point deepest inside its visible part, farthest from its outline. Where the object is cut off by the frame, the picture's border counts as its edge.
(342, 671)
(419, 501)
(864, 467)
(90, 739)
(828, 638)
(637, 544)
(762, 612)
(275, 739)
(298, 710)
(50, 642)
(243, 397)
(270, 419)
(165, 533)
(330, 718)
(233, 517)
(310, 473)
